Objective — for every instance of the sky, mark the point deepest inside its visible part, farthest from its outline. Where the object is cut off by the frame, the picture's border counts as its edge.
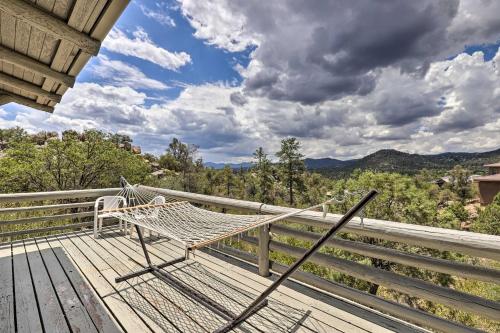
(346, 78)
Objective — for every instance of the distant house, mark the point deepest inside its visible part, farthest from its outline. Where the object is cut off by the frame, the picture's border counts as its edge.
(493, 168)
(441, 181)
(489, 186)
(472, 178)
(159, 174)
(155, 166)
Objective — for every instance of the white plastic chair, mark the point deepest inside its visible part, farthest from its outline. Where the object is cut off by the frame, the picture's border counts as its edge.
(108, 202)
(158, 200)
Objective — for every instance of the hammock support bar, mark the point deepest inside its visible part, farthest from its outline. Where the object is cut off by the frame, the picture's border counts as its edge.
(257, 302)
(178, 285)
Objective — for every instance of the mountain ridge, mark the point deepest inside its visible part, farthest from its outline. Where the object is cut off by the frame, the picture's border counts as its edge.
(392, 160)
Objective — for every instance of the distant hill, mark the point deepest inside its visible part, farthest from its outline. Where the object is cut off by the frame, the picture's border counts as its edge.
(390, 160)
(396, 161)
(214, 165)
(326, 163)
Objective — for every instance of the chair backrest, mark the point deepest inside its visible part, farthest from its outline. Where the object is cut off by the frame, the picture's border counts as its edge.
(112, 202)
(158, 200)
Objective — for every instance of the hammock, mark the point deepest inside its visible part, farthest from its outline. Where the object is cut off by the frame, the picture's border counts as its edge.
(192, 226)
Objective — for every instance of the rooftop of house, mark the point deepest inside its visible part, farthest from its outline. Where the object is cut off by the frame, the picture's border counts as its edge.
(490, 178)
(493, 165)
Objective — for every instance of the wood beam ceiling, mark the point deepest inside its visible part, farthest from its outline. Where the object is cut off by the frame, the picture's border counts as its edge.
(33, 65)
(8, 97)
(28, 87)
(50, 24)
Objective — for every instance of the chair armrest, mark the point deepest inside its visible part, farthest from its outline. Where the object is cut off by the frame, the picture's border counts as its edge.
(96, 205)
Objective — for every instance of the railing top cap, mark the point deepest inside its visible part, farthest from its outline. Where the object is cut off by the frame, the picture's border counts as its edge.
(33, 196)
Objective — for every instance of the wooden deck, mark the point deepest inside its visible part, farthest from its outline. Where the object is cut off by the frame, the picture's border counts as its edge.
(65, 283)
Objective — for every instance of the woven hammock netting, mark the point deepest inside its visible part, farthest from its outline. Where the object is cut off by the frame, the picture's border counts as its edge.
(179, 220)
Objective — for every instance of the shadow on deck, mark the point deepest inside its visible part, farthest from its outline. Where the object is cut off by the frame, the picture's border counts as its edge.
(65, 283)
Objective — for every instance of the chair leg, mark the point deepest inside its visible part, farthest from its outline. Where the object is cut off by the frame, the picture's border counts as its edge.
(96, 234)
(100, 225)
(120, 224)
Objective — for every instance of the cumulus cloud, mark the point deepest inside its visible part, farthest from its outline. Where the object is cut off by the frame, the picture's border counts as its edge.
(111, 107)
(326, 50)
(141, 46)
(219, 24)
(122, 74)
(159, 14)
(473, 95)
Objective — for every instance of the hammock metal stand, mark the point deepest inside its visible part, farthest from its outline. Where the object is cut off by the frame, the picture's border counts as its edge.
(234, 320)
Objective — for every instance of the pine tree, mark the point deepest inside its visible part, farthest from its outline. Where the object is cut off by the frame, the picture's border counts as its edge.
(265, 180)
(291, 165)
(228, 179)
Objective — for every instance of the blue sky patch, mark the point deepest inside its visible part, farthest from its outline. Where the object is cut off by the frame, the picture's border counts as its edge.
(209, 64)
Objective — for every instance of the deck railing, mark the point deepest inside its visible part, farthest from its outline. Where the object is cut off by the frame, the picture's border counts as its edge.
(469, 243)
(54, 206)
(42, 209)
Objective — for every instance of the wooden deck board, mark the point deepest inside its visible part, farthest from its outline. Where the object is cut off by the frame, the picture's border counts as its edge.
(78, 317)
(128, 319)
(76, 269)
(88, 297)
(6, 291)
(196, 311)
(167, 313)
(52, 315)
(121, 292)
(28, 318)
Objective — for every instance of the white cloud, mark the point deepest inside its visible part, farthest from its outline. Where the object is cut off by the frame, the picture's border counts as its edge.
(215, 22)
(311, 52)
(123, 74)
(158, 14)
(141, 46)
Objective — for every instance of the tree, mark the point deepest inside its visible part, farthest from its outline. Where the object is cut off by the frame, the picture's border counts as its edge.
(488, 220)
(14, 134)
(228, 177)
(69, 164)
(264, 173)
(291, 165)
(460, 184)
(180, 157)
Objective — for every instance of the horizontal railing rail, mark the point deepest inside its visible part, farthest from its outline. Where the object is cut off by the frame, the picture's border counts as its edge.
(54, 195)
(54, 211)
(410, 286)
(373, 251)
(463, 242)
(45, 207)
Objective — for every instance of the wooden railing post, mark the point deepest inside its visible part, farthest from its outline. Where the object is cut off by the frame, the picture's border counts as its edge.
(264, 239)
